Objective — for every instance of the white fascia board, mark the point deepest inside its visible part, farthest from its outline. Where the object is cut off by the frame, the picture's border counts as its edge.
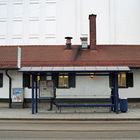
(89, 68)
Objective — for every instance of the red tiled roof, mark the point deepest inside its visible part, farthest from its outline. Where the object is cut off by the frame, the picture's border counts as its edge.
(41, 55)
(127, 55)
(8, 57)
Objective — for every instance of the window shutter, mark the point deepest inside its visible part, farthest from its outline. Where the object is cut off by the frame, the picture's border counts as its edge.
(111, 80)
(26, 80)
(1, 80)
(55, 79)
(129, 79)
(72, 80)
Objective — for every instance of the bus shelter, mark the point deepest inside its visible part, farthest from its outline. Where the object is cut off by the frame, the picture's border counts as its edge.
(110, 71)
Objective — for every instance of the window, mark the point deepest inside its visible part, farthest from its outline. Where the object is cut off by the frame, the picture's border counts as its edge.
(63, 81)
(122, 80)
(1, 80)
(129, 79)
(125, 80)
(27, 80)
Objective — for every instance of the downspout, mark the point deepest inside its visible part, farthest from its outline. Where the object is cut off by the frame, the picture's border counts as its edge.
(10, 88)
(10, 79)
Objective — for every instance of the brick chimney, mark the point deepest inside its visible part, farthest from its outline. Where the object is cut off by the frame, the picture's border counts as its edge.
(92, 32)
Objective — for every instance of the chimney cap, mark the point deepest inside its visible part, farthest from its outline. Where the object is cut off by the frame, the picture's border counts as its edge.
(68, 42)
(92, 15)
(83, 38)
(68, 37)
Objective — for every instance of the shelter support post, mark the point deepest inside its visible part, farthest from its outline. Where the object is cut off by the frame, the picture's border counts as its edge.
(36, 101)
(112, 99)
(33, 99)
(116, 96)
(34, 94)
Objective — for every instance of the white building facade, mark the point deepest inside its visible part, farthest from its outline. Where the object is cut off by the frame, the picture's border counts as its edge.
(86, 87)
(49, 21)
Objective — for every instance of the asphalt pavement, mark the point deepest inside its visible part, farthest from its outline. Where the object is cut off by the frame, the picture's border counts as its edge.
(69, 130)
(69, 124)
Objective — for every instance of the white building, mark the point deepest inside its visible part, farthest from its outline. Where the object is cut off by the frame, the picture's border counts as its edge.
(49, 21)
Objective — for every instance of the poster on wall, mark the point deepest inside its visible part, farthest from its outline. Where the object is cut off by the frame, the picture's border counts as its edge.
(46, 89)
(17, 96)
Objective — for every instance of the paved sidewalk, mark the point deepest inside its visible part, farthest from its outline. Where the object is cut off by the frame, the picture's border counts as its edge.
(15, 114)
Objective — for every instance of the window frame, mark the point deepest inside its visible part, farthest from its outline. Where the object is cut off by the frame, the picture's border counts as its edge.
(29, 80)
(120, 80)
(71, 80)
(68, 81)
(128, 77)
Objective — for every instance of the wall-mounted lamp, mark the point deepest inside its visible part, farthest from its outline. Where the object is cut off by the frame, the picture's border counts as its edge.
(92, 75)
(38, 77)
(65, 76)
(61, 76)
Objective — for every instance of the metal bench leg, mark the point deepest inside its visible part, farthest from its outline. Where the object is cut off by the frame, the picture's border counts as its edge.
(60, 109)
(51, 105)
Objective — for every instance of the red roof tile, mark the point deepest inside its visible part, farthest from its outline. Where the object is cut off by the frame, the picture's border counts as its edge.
(43, 55)
(8, 57)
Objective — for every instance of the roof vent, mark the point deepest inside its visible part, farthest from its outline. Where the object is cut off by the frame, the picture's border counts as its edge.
(84, 43)
(68, 42)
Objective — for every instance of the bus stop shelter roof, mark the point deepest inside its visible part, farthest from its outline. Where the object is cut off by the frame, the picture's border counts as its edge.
(75, 69)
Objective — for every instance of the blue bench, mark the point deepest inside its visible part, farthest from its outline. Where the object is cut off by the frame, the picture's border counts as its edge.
(60, 105)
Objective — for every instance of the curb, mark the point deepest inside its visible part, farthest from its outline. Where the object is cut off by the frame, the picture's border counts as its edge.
(69, 119)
